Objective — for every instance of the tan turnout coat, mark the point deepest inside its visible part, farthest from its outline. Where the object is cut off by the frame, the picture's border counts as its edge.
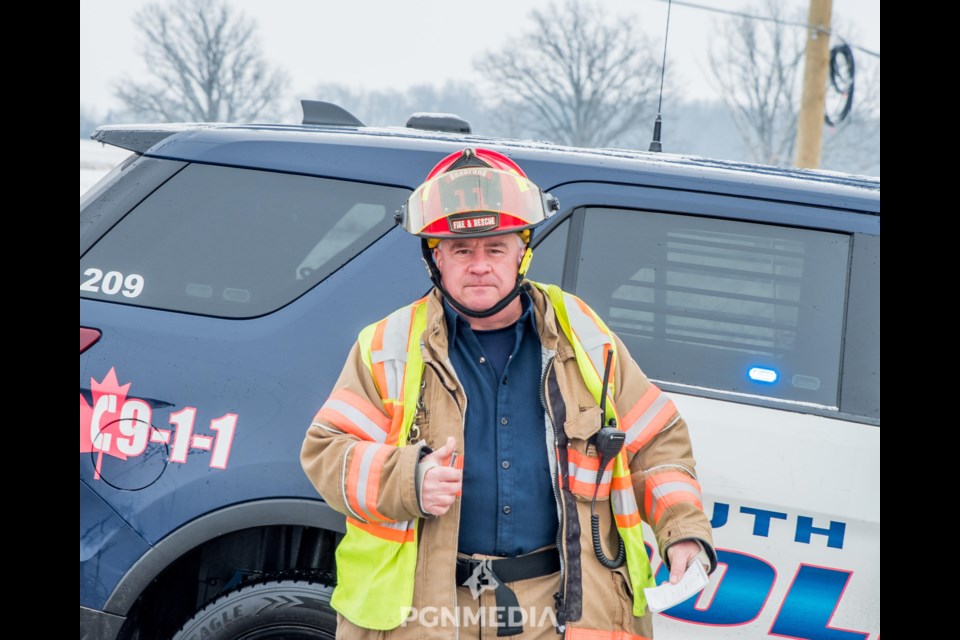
(660, 452)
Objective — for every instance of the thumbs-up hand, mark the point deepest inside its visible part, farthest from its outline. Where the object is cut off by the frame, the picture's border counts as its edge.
(441, 483)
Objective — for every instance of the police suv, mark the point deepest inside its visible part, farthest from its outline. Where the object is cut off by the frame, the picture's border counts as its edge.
(225, 271)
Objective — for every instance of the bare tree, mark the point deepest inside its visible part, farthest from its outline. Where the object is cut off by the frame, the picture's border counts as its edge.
(575, 78)
(204, 65)
(757, 65)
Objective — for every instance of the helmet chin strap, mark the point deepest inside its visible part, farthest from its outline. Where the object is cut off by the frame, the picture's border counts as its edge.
(486, 313)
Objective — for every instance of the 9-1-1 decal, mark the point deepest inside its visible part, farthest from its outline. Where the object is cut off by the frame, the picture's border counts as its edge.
(120, 426)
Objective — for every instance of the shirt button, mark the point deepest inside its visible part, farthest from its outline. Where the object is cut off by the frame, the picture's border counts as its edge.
(504, 421)
(482, 359)
(505, 464)
(507, 509)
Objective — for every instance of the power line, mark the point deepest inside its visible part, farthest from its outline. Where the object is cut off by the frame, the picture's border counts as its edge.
(750, 16)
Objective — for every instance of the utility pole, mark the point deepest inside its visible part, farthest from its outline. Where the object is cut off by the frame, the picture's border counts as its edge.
(813, 102)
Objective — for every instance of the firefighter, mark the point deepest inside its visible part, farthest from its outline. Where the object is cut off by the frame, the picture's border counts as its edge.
(493, 445)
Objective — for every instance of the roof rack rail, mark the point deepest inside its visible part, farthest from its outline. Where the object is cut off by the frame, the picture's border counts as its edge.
(320, 112)
(448, 122)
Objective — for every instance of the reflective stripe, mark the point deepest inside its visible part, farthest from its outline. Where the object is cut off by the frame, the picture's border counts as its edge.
(627, 521)
(402, 531)
(583, 479)
(592, 334)
(343, 477)
(624, 501)
(363, 480)
(664, 490)
(647, 418)
(575, 633)
(325, 427)
(352, 414)
(377, 368)
(412, 375)
(582, 474)
(388, 352)
(625, 507)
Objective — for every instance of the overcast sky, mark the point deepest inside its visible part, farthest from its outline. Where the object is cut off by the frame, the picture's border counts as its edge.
(375, 44)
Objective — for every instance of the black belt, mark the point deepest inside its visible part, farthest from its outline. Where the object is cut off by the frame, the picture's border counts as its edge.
(502, 571)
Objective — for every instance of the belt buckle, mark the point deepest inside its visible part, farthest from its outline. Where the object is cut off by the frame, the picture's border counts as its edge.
(466, 567)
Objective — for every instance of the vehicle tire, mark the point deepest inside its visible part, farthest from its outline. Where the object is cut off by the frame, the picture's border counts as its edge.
(288, 609)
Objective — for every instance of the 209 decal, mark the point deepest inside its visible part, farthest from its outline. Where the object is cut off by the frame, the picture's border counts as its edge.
(112, 283)
(120, 426)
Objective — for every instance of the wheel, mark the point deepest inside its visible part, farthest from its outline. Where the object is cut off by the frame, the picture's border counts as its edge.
(288, 609)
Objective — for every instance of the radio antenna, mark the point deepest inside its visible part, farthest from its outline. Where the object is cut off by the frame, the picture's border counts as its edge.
(655, 143)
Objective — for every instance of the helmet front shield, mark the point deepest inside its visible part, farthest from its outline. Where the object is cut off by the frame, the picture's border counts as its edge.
(475, 201)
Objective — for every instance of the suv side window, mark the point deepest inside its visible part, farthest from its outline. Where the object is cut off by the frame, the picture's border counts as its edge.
(548, 255)
(234, 243)
(720, 304)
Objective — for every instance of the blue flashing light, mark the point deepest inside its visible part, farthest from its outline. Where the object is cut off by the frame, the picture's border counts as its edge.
(765, 375)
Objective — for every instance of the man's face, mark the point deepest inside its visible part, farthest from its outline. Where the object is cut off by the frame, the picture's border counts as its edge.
(478, 272)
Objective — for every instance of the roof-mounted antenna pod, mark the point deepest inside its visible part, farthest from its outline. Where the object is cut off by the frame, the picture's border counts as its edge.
(449, 122)
(655, 143)
(319, 112)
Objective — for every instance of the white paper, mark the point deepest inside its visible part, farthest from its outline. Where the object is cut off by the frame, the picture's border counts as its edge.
(667, 595)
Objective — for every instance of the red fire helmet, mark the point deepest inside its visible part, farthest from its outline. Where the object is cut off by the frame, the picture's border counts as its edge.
(475, 192)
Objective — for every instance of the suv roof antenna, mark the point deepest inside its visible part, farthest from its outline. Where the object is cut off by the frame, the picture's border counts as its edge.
(655, 143)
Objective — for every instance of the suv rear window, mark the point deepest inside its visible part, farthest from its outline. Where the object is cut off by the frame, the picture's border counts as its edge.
(234, 242)
(718, 304)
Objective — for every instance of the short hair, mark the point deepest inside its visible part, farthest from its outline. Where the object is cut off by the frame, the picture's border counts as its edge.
(518, 236)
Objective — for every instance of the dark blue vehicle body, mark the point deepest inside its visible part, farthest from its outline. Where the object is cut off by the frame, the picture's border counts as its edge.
(147, 522)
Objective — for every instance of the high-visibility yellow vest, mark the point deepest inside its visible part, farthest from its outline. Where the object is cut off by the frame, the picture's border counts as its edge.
(376, 560)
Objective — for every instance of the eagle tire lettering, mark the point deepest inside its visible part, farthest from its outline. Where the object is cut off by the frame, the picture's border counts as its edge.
(263, 607)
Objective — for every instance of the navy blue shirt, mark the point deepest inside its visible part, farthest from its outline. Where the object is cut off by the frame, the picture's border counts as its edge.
(507, 507)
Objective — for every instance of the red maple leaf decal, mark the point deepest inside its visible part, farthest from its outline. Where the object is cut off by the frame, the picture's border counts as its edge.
(99, 423)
